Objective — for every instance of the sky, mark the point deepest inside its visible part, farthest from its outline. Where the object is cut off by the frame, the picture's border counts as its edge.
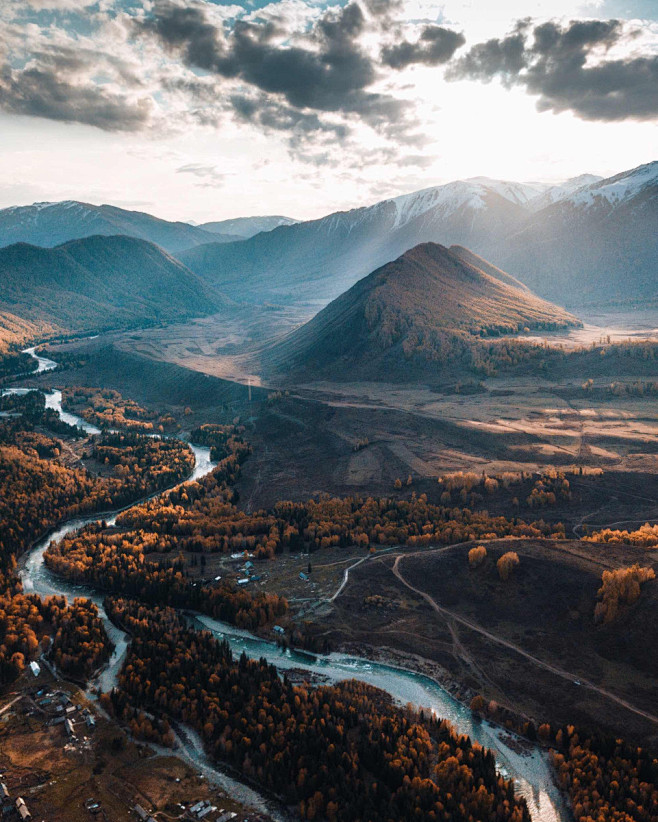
(202, 110)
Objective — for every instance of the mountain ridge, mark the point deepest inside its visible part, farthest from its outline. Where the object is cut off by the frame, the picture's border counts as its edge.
(51, 224)
(575, 261)
(242, 228)
(596, 246)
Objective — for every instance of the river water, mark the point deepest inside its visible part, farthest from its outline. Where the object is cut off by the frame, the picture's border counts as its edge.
(530, 770)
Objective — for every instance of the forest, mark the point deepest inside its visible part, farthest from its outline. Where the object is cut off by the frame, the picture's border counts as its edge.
(28, 623)
(13, 363)
(38, 491)
(33, 412)
(107, 408)
(508, 355)
(620, 587)
(605, 778)
(340, 752)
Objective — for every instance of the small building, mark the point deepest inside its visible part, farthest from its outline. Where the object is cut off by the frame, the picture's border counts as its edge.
(70, 730)
(278, 629)
(90, 722)
(248, 565)
(22, 810)
(201, 809)
(141, 813)
(4, 793)
(34, 667)
(303, 576)
(243, 581)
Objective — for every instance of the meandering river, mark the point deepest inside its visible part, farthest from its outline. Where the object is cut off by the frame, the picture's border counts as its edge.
(530, 770)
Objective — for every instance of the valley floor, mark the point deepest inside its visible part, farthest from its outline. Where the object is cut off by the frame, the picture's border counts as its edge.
(360, 438)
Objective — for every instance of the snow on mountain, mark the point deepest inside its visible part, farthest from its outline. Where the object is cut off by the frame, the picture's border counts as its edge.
(618, 189)
(447, 198)
(471, 194)
(555, 193)
(519, 193)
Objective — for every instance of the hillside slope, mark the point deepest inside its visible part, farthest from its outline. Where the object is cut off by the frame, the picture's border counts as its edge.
(427, 309)
(50, 224)
(99, 283)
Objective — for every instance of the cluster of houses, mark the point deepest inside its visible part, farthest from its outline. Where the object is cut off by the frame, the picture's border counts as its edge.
(248, 571)
(204, 809)
(12, 808)
(60, 710)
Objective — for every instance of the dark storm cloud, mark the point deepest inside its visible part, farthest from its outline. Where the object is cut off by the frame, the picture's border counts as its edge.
(567, 69)
(435, 46)
(332, 74)
(270, 114)
(46, 91)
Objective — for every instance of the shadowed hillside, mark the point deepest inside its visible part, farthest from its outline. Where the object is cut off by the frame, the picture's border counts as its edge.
(424, 311)
(98, 283)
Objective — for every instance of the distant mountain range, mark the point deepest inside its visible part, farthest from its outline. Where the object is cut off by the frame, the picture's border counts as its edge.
(598, 244)
(51, 224)
(96, 283)
(425, 312)
(586, 241)
(242, 228)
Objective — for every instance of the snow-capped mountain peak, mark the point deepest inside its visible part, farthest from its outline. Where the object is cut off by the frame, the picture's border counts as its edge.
(471, 194)
(618, 189)
(519, 193)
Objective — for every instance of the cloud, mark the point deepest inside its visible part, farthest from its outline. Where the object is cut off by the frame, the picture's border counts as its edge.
(276, 116)
(209, 175)
(325, 69)
(435, 46)
(569, 69)
(55, 5)
(46, 91)
(47, 72)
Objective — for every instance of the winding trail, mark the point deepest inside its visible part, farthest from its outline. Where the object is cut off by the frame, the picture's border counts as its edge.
(473, 626)
(346, 577)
